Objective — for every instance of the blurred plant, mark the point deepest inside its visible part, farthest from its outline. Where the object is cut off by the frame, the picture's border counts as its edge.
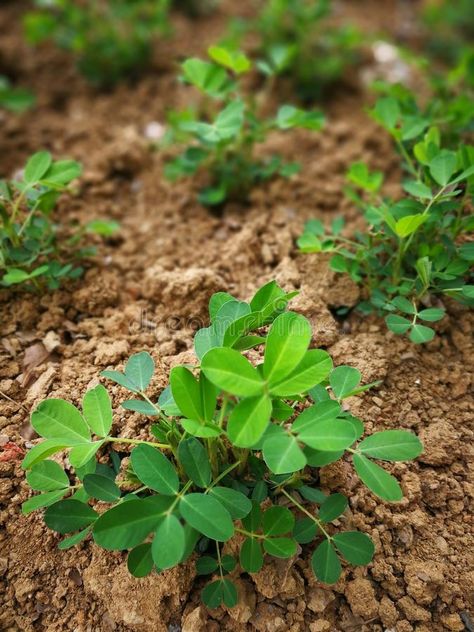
(111, 39)
(414, 249)
(449, 28)
(223, 146)
(298, 40)
(196, 8)
(227, 436)
(14, 99)
(30, 252)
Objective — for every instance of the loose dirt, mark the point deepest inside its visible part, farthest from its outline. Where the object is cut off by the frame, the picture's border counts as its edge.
(148, 289)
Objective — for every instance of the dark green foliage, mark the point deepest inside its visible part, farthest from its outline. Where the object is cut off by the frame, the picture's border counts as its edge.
(14, 99)
(203, 482)
(110, 40)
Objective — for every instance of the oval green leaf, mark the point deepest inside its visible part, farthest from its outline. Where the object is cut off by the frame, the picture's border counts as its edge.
(154, 470)
(380, 482)
(208, 516)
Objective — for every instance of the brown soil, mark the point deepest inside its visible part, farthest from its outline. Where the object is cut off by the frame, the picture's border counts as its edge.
(148, 289)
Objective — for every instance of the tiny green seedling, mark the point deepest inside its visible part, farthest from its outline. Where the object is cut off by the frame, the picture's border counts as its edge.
(414, 250)
(298, 41)
(110, 40)
(30, 252)
(223, 146)
(228, 435)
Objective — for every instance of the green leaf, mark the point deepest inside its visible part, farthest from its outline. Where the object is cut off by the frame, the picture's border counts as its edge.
(58, 419)
(329, 436)
(37, 166)
(317, 458)
(391, 445)
(140, 561)
(208, 397)
(287, 342)
(289, 116)
(253, 520)
(186, 392)
(327, 410)
(404, 305)
(233, 60)
(356, 547)
(234, 501)
(343, 380)
(206, 565)
(69, 515)
(230, 371)
(81, 454)
(312, 494)
(409, 224)
(432, 314)
(41, 500)
(208, 77)
(280, 547)
(154, 470)
(379, 481)
(194, 459)
(47, 476)
(217, 301)
(201, 429)
(140, 406)
(72, 540)
(168, 544)
(97, 410)
(332, 507)
(283, 455)
(418, 189)
(266, 295)
(62, 172)
(207, 515)
(304, 531)
(101, 487)
(218, 592)
(139, 370)
(251, 556)
(397, 324)
(278, 521)
(443, 166)
(127, 524)
(121, 379)
(325, 563)
(313, 369)
(387, 112)
(248, 420)
(228, 563)
(420, 334)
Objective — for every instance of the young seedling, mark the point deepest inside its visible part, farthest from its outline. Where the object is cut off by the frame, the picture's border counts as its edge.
(414, 250)
(297, 40)
(30, 252)
(228, 435)
(223, 145)
(14, 99)
(110, 40)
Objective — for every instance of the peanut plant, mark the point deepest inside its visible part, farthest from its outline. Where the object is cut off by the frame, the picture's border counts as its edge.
(223, 145)
(14, 99)
(110, 40)
(227, 436)
(297, 40)
(414, 250)
(31, 253)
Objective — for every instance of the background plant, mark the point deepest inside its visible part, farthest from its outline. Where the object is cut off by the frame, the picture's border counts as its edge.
(223, 145)
(298, 40)
(414, 250)
(110, 39)
(30, 251)
(14, 99)
(227, 436)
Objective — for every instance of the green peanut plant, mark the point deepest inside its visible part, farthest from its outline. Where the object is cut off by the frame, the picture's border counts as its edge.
(110, 40)
(414, 250)
(297, 40)
(235, 454)
(31, 254)
(223, 145)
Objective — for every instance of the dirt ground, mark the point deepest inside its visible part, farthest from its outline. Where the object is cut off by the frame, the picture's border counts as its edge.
(148, 288)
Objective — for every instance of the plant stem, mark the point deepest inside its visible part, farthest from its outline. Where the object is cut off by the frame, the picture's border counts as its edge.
(164, 446)
(305, 511)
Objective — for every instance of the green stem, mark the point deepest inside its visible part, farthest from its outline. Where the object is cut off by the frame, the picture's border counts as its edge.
(305, 511)
(222, 475)
(250, 534)
(164, 446)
